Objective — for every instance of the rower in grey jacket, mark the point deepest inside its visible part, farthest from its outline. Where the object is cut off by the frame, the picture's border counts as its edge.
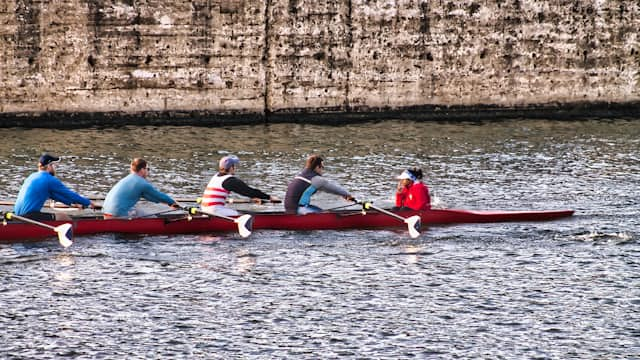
(306, 184)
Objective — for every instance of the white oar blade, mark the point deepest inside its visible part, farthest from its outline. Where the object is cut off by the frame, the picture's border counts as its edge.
(413, 223)
(65, 234)
(245, 225)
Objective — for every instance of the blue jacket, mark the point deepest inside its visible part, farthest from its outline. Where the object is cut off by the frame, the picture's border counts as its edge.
(128, 191)
(41, 186)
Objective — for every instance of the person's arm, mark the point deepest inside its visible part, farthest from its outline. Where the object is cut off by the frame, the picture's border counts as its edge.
(400, 197)
(321, 183)
(240, 187)
(59, 192)
(150, 193)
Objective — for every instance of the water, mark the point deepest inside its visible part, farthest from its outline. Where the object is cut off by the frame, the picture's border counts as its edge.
(561, 289)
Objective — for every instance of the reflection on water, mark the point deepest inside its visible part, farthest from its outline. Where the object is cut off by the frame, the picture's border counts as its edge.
(246, 261)
(413, 253)
(65, 276)
(561, 289)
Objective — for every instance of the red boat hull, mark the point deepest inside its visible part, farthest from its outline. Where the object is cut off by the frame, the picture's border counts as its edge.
(17, 231)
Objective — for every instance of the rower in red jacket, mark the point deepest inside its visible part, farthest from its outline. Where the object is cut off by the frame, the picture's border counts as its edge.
(412, 193)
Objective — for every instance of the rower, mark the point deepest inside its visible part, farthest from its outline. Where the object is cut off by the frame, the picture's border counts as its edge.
(412, 193)
(223, 183)
(122, 198)
(306, 184)
(43, 185)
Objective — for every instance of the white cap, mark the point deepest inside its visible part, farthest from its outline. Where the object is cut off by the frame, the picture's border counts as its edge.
(406, 175)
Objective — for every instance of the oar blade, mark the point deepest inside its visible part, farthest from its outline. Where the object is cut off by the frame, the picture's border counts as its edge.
(245, 225)
(414, 224)
(245, 222)
(65, 234)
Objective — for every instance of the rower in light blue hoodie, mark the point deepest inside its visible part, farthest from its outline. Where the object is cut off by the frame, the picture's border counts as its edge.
(43, 185)
(122, 198)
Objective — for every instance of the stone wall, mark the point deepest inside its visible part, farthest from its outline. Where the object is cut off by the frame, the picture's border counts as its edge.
(95, 60)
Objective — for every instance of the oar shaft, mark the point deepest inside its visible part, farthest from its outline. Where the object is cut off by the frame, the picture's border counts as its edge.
(157, 213)
(191, 210)
(27, 220)
(216, 215)
(385, 212)
(187, 200)
(53, 205)
(245, 222)
(412, 222)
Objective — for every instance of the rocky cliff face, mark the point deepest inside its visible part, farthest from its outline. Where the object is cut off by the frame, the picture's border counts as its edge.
(268, 58)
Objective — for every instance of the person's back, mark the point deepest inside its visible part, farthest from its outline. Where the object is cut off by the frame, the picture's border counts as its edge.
(122, 198)
(306, 184)
(215, 195)
(124, 195)
(43, 185)
(33, 193)
(223, 183)
(296, 190)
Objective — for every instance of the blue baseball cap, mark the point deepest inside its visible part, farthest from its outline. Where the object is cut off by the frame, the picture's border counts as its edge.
(228, 161)
(47, 159)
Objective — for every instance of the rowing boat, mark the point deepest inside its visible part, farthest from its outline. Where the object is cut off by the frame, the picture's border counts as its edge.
(331, 220)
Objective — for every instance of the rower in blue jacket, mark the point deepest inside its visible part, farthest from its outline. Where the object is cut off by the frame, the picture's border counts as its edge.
(43, 185)
(122, 198)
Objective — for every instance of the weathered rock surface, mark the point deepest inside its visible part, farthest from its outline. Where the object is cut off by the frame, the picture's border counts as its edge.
(68, 62)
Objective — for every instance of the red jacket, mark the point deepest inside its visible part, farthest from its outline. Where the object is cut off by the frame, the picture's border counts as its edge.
(416, 197)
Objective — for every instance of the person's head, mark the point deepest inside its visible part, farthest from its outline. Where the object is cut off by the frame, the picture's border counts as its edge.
(315, 163)
(416, 172)
(406, 178)
(227, 164)
(46, 163)
(140, 167)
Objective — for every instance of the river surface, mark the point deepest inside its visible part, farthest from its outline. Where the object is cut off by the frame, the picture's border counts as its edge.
(551, 290)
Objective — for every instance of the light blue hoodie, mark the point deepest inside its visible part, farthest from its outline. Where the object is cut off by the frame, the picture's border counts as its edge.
(128, 191)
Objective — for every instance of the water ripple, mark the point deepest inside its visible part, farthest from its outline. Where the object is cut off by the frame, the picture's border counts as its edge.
(562, 289)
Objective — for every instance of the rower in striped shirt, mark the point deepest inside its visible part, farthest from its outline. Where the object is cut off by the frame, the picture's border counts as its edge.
(223, 183)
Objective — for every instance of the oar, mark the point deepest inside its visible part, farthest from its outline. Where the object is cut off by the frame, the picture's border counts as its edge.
(338, 207)
(64, 231)
(52, 204)
(247, 201)
(245, 222)
(157, 213)
(197, 200)
(186, 200)
(242, 201)
(58, 205)
(413, 222)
